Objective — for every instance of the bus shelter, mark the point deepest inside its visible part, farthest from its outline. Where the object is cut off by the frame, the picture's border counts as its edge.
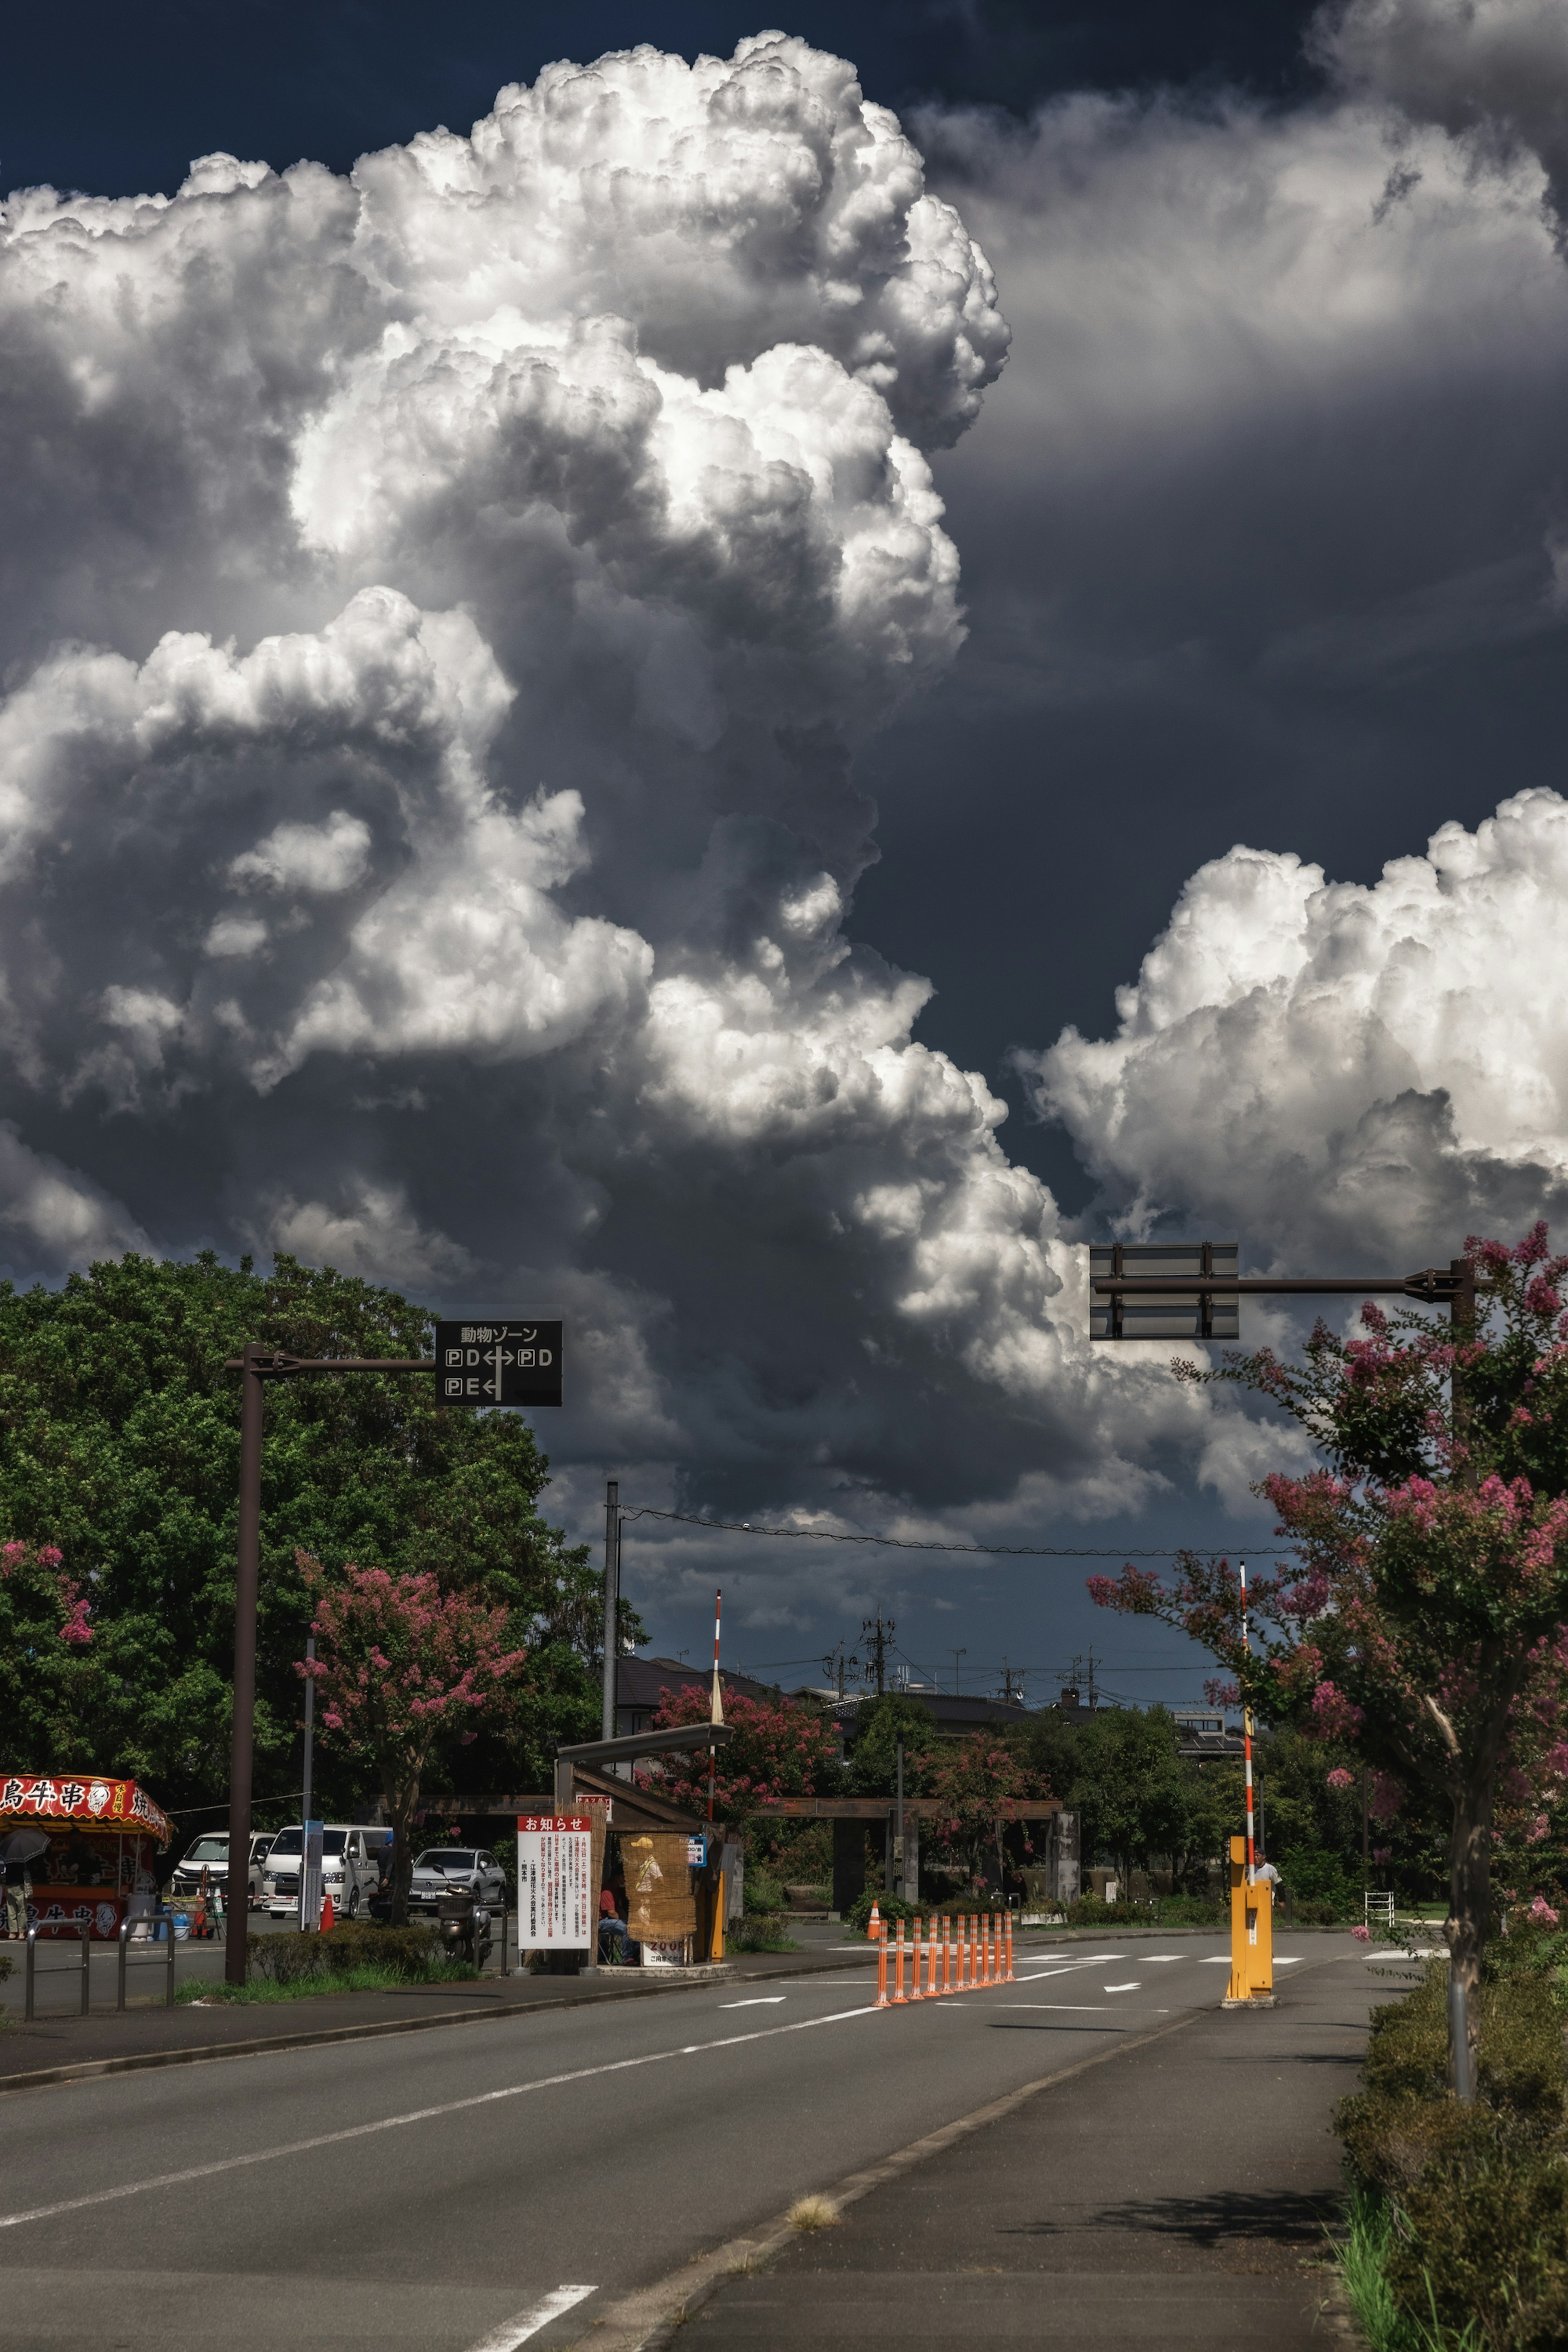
(94, 1867)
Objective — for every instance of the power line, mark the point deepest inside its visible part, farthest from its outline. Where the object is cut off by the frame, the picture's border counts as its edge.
(973, 1552)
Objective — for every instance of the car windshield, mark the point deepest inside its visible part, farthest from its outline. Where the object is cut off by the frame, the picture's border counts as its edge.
(209, 1849)
(444, 1857)
(289, 1841)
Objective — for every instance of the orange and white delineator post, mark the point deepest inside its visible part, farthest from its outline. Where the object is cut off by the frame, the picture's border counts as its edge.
(933, 1955)
(969, 1924)
(915, 1992)
(880, 1937)
(1009, 1978)
(947, 1951)
(987, 1968)
(960, 1925)
(900, 1996)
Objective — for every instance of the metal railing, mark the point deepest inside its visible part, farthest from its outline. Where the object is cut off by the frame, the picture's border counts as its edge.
(165, 1960)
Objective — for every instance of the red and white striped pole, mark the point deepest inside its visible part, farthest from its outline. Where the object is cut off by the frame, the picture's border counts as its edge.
(716, 1707)
(1246, 1739)
(877, 1932)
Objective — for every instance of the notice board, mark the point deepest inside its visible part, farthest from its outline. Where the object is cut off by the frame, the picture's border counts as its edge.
(555, 1890)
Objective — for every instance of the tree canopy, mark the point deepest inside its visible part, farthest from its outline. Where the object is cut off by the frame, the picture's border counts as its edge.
(120, 1444)
(1423, 1619)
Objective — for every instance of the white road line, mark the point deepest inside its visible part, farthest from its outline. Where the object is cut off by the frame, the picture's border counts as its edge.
(415, 2115)
(758, 2000)
(513, 2331)
(1287, 1960)
(1158, 1960)
(1126, 1987)
(1215, 1960)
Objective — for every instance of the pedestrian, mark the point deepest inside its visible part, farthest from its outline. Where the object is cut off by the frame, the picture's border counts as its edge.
(18, 1886)
(611, 1929)
(1265, 1870)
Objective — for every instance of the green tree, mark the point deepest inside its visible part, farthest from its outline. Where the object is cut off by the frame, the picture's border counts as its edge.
(880, 1726)
(1131, 1791)
(1425, 1619)
(119, 1444)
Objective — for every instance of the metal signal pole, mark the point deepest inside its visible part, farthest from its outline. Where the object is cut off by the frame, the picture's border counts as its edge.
(612, 1604)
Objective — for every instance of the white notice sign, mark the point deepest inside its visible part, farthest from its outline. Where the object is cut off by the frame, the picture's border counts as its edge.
(555, 1882)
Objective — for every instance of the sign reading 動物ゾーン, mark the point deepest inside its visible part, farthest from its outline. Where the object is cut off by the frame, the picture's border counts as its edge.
(498, 1360)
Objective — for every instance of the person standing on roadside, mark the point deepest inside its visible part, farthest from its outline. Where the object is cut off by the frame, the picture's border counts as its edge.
(18, 1886)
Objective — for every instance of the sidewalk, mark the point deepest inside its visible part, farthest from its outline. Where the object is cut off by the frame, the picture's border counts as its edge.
(1175, 2193)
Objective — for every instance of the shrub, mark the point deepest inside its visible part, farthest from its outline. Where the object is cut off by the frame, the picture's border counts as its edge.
(1316, 1877)
(893, 1907)
(411, 1952)
(1477, 2195)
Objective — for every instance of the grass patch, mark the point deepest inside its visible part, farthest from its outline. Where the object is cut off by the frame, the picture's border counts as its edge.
(814, 2213)
(758, 1934)
(367, 1977)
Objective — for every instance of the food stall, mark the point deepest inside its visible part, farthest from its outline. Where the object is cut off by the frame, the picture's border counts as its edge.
(97, 1866)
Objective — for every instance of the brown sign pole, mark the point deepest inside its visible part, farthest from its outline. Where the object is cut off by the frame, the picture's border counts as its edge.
(256, 1366)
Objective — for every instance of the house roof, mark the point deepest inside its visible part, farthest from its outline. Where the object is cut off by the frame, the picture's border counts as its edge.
(639, 1681)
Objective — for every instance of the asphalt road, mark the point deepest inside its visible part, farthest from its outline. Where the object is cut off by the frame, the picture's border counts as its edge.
(452, 2190)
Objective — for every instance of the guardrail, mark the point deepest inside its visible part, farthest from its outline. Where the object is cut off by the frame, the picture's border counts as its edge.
(165, 1959)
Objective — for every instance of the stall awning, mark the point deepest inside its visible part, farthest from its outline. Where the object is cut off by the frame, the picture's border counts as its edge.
(89, 1804)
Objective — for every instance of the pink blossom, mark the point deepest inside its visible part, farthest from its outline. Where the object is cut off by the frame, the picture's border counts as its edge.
(1537, 1830)
(1542, 1910)
(1335, 1717)
(1222, 1694)
(49, 1556)
(1340, 1778)
(75, 1628)
(1362, 1935)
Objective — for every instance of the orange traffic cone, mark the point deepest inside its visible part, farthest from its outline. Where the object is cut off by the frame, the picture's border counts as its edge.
(327, 1919)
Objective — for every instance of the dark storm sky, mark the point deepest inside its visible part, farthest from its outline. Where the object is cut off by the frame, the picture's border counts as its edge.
(1257, 533)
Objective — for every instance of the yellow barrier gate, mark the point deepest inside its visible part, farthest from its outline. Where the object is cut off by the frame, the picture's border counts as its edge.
(1251, 1984)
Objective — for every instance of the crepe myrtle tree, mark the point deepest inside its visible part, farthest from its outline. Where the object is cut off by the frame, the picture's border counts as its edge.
(1423, 1620)
(979, 1787)
(400, 1667)
(779, 1748)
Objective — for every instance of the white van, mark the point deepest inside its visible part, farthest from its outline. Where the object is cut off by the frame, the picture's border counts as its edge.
(210, 1853)
(351, 1862)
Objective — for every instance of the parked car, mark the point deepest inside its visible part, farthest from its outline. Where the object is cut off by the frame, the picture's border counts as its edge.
(444, 1869)
(350, 1868)
(210, 1853)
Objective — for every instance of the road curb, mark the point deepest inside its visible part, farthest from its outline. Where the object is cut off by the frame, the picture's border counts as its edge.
(87, 2070)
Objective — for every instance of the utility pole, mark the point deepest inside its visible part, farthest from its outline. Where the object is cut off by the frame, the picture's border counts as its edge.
(955, 1656)
(899, 1831)
(612, 1604)
(309, 1758)
(1078, 1675)
(837, 1663)
(880, 1634)
(1007, 1692)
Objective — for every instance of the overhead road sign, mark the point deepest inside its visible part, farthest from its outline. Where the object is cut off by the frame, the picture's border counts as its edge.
(1117, 1296)
(507, 1360)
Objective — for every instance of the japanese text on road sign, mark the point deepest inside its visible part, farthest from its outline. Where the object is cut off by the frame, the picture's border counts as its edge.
(555, 1882)
(508, 1360)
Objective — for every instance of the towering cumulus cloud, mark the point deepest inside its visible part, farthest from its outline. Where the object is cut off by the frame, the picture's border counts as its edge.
(1343, 1073)
(445, 606)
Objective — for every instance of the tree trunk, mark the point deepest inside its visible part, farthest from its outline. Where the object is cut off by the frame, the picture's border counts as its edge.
(402, 1799)
(1469, 1903)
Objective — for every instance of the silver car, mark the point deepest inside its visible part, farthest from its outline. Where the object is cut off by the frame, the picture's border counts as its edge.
(444, 1869)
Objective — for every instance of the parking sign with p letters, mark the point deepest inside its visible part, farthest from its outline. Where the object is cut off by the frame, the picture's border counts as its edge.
(498, 1360)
